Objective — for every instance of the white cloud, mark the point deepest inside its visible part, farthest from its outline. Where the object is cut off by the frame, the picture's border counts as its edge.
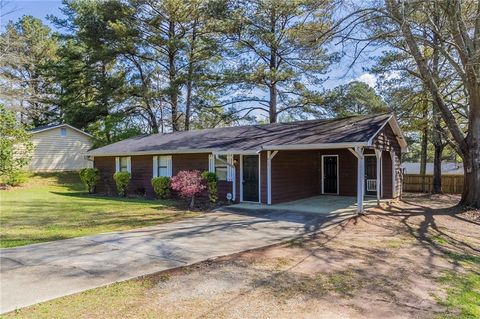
(367, 78)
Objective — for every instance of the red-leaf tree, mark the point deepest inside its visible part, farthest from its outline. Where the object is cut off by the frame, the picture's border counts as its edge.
(188, 184)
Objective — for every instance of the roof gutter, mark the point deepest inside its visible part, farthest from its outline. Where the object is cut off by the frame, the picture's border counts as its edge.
(312, 146)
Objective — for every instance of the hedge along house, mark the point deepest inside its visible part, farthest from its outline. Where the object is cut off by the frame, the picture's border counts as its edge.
(269, 163)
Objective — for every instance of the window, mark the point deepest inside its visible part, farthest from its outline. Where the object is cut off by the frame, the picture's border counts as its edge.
(163, 166)
(221, 167)
(123, 164)
(63, 131)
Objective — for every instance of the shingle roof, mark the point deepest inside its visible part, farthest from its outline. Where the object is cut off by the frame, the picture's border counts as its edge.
(353, 129)
(39, 129)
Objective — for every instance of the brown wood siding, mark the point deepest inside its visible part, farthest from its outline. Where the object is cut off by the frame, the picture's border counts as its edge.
(142, 173)
(188, 162)
(298, 174)
(294, 175)
(387, 140)
(224, 187)
(263, 177)
(347, 171)
(106, 168)
(387, 174)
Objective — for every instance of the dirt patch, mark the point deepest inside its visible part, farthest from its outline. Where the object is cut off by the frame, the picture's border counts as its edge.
(388, 263)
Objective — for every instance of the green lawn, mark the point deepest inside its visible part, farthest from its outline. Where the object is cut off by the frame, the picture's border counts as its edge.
(55, 206)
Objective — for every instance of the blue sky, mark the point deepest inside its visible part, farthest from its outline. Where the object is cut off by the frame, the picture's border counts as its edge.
(15, 9)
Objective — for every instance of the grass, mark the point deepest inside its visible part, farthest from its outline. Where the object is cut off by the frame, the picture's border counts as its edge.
(119, 300)
(462, 290)
(463, 295)
(55, 206)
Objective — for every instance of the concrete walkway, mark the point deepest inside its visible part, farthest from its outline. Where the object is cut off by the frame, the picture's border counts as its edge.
(40, 272)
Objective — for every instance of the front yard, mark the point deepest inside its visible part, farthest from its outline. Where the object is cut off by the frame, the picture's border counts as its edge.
(416, 259)
(55, 206)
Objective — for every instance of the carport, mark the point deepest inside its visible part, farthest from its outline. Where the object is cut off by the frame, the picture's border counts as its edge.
(327, 205)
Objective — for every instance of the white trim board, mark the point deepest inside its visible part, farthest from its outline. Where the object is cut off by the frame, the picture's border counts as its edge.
(58, 126)
(338, 173)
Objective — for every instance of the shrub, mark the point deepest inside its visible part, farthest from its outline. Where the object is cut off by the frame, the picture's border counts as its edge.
(121, 180)
(15, 147)
(89, 177)
(188, 184)
(16, 178)
(161, 186)
(211, 180)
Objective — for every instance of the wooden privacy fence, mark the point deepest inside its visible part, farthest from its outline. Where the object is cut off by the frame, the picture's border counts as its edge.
(451, 184)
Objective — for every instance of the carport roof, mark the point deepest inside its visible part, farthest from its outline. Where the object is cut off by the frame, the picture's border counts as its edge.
(341, 132)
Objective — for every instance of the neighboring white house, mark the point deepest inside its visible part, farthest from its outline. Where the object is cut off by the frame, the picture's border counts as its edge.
(60, 148)
(448, 168)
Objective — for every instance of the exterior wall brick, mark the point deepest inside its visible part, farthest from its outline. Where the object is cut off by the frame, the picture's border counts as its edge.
(295, 174)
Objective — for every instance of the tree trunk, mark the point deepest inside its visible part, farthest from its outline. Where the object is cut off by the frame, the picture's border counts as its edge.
(424, 149)
(272, 110)
(437, 169)
(438, 152)
(191, 61)
(468, 146)
(172, 73)
(273, 104)
(471, 158)
(192, 202)
(436, 133)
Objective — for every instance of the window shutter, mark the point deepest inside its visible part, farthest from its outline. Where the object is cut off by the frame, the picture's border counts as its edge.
(230, 168)
(211, 163)
(155, 166)
(169, 165)
(117, 164)
(129, 165)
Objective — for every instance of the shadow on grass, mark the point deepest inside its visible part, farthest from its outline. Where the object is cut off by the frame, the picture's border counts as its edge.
(69, 180)
(427, 233)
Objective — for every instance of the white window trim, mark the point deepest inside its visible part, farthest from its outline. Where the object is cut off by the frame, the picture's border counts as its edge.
(129, 164)
(156, 160)
(338, 174)
(259, 179)
(231, 174)
(211, 163)
(270, 156)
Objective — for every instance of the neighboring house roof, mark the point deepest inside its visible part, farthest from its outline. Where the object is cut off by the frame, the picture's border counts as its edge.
(448, 168)
(51, 127)
(334, 133)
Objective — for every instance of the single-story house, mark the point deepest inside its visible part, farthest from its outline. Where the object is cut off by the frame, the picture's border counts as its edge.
(448, 168)
(269, 163)
(59, 148)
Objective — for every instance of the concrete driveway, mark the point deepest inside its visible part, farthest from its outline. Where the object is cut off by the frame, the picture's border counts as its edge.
(45, 271)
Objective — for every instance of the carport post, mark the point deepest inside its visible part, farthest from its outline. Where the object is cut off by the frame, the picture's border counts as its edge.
(378, 154)
(358, 152)
(270, 156)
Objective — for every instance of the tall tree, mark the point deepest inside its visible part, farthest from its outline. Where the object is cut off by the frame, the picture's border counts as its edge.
(354, 98)
(282, 59)
(458, 44)
(27, 47)
(463, 30)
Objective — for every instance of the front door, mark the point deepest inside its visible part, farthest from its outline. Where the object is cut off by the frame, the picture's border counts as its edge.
(250, 178)
(370, 175)
(330, 178)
